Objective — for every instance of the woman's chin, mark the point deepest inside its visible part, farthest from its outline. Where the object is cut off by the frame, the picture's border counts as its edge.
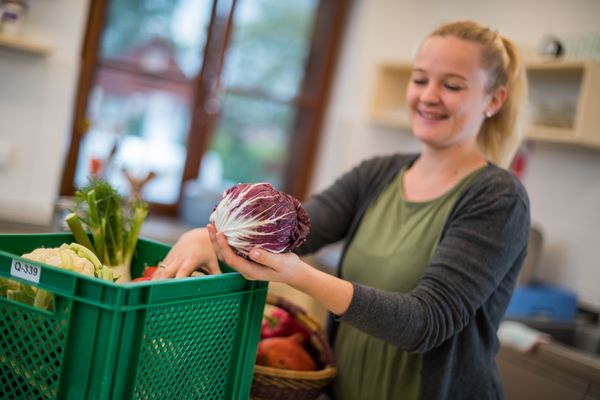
(429, 135)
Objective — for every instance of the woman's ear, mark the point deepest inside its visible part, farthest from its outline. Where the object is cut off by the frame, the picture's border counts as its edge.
(497, 99)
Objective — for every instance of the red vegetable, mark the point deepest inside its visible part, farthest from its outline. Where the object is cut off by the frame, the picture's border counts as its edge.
(149, 271)
(280, 323)
(146, 275)
(285, 352)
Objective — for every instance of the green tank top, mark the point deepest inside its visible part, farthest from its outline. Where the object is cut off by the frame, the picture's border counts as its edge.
(391, 249)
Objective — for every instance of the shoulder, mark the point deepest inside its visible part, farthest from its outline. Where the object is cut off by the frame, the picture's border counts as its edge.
(496, 180)
(494, 184)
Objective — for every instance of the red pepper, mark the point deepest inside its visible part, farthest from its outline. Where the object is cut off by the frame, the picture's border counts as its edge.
(279, 323)
(149, 271)
(146, 275)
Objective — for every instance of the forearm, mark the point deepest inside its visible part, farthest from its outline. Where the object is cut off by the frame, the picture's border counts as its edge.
(333, 293)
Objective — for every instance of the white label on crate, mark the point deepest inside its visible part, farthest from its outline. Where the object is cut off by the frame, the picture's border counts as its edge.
(25, 271)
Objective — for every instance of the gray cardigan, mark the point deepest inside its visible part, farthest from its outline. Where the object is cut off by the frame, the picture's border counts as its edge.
(452, 316)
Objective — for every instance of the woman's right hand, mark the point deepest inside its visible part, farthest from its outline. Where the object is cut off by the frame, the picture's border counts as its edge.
(193, 251)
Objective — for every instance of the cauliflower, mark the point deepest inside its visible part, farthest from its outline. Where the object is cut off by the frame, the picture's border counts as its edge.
(73, 257)
(62, 257)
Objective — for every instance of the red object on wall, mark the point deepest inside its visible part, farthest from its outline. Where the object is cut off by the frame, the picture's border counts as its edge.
(519, 164)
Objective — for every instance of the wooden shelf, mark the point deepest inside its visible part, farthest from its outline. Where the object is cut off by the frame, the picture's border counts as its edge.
(389, 107)
(544, 132)
(24, 45)
(564, 97)
(557, 64)
(550, 134)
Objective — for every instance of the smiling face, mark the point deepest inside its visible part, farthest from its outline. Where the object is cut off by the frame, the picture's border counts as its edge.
(447, 95)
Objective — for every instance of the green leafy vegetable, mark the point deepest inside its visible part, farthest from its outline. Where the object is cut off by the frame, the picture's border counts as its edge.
(115, 225)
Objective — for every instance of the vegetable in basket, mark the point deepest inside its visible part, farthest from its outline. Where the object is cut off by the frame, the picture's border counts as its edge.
(285, 352)
(258, 215)
(115, 225)
(279, 323)
(146, 275)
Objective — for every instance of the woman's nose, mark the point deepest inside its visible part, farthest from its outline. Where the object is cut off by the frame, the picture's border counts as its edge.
(430, 94)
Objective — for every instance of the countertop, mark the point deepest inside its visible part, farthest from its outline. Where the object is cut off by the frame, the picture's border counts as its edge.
(551, 371)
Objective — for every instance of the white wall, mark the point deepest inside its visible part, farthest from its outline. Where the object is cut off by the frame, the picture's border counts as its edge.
(563, 182)
(36, 103)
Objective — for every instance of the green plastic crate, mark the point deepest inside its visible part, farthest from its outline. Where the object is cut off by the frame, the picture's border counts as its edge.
(193, 338)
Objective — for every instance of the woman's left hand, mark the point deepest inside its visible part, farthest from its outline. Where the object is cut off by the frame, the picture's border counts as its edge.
(262, 265)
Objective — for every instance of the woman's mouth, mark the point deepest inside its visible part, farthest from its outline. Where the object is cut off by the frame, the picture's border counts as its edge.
(432, 116)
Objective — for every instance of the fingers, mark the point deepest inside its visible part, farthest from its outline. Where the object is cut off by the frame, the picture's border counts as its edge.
(225, 252)
(261, 257)
(212, 234)
(247, 268)
(189, 266)
(185, 269)
(163, 266)
(277, 262)
(212, 267)
(165, 270)
(176, 269)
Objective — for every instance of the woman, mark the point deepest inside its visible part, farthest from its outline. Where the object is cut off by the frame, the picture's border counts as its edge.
(434, 241)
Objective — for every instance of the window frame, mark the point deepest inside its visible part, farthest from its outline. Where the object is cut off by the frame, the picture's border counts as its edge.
(310, 104)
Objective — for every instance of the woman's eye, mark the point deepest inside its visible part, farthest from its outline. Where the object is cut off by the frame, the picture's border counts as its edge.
(454, 88)
(420, 82)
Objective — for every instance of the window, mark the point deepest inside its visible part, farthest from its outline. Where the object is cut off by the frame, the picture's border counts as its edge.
(218, 92)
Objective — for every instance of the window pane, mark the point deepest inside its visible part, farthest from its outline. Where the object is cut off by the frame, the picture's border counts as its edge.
(252, 140)
(270, 43)
(269, 46)
(178, 26)
(140, 105)
(148, 126)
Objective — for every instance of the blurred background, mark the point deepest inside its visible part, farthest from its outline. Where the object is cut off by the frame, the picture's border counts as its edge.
(186, 98)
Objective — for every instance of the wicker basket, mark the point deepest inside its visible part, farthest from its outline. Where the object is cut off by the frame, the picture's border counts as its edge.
(276, 383)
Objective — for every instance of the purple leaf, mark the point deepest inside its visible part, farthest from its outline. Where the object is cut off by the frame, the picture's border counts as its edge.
(258, 215)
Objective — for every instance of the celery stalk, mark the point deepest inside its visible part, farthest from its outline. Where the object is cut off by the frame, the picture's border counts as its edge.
(79, 233)
(140, 211)
(117, 228)
(101, 244)
(95, 224)
(114, 225)
(112, 245)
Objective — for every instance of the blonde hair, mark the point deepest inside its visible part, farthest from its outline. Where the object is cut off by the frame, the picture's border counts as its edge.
(501, 134)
